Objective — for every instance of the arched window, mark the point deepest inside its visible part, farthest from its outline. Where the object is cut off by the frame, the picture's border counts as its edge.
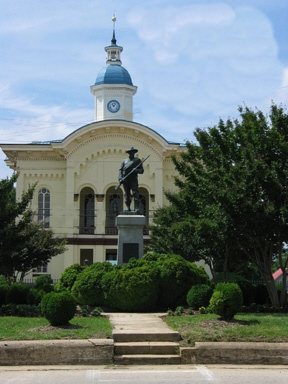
(44, 207)
(114, 203)
(87, 211)
(144, 202)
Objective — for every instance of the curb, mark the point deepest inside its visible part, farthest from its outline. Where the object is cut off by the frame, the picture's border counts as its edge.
(236, 353)
(101, 352)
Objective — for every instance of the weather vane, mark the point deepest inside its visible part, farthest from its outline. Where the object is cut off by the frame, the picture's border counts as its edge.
(114, 19)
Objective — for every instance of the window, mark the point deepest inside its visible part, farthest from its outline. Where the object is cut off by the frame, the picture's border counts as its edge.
(41, 269)
(44, 207)
(114, 202)
(111, 256)
(144, 202)
(86, 256)
(114, 209)
(87, 211)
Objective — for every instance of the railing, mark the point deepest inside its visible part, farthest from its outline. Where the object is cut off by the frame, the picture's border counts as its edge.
(111, 231)
(114, 231)
(31, 282)
(86, 230)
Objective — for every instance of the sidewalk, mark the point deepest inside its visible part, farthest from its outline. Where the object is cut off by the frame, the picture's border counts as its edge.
(139, 339)
(132, 326)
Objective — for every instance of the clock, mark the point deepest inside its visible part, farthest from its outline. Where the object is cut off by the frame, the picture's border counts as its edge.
(113, 106)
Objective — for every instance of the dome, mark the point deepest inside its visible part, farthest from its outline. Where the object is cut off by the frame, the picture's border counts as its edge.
(113, 74)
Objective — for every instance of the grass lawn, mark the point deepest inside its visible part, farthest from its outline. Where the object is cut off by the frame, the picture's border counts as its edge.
(38, 328)
(257, 327)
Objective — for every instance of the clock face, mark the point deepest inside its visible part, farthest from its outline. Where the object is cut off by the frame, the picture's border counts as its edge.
(113, 106)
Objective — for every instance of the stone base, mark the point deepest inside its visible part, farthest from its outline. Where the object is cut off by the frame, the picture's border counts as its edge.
(130, 236)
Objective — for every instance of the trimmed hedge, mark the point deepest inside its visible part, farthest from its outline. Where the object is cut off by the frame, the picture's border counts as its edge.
(227, 300)
(155, 279)
(199, 296)
(68, 277)
(87, 289)
(44, 283)
(176, 278)
(132, 289)
(17, 294)
(58, 307)
(3, 293)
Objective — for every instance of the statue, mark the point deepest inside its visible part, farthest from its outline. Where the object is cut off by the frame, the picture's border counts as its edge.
(128, 176)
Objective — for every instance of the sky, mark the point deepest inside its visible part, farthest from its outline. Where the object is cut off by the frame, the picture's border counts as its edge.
(193, 61)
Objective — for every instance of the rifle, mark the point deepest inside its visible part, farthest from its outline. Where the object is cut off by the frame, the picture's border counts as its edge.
(124, 178)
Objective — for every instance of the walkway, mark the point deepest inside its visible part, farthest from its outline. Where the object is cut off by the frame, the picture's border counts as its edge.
(143, 338)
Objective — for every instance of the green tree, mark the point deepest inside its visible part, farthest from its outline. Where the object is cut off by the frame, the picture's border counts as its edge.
(232, 197)
(24, 245)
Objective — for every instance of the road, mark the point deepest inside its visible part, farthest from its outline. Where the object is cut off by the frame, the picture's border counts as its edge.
(185, 374)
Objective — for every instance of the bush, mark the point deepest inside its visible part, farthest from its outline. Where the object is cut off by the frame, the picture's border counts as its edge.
(17, 294)
(44, 283)
(68, 278)
(21, 310)
(226, 301)
(199, 296)
(58, 307)
(177, 276)
(87, 289)
(133, 289)
(247, 288)
(3, 293)
(35, 296)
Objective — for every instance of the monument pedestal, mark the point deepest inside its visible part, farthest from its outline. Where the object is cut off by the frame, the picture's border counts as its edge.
(130, 236)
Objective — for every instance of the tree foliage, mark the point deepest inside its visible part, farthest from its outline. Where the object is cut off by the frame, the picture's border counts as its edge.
(24, 245)
(231, 205)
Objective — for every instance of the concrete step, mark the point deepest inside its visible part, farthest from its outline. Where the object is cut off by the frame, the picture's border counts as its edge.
(146, 359)
(146, 347)
(124, 336)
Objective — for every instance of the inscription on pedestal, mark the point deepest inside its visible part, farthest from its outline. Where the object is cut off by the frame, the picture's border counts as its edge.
(130, 250)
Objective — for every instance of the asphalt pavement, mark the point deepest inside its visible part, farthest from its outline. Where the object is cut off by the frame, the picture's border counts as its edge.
(187, 374)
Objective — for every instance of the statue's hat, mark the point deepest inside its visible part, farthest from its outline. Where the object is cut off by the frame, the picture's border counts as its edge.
(132, 150)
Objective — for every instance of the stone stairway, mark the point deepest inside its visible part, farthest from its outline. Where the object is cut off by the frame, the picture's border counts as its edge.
(143, 339)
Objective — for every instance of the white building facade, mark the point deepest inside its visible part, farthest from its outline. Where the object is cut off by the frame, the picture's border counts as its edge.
(76, 177)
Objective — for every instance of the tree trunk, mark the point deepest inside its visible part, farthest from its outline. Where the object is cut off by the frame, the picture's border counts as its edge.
(272, 289)
(263, 261)
(283, 298)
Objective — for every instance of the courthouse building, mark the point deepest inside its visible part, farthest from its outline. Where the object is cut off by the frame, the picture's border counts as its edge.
(76, 177)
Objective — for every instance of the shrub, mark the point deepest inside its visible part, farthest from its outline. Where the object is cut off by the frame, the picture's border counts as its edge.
(35, 296)
(21, 310)
(247, 288)
(87, 289)
(17, 294)
(179, 310)
(44, 283)
(68, 278)
(199, 296)
(58, 307)
(131, 289)
(177, 276)
(96, 312)
(226, 301)
(3, 293)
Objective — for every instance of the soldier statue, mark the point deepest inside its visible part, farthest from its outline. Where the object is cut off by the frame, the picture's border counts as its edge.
(128, 176)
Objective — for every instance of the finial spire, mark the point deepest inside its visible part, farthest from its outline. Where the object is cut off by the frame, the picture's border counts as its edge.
(113, 41)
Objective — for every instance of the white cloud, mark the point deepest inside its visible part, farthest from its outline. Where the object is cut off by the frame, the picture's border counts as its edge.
(218, 58)
(192, 63)
(38, 122)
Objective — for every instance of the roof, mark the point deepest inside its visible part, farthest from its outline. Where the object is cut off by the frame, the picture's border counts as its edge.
(278, 273)
(113, 74)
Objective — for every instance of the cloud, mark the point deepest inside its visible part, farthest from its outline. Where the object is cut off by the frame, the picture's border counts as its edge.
(205, 60)
(37, 122)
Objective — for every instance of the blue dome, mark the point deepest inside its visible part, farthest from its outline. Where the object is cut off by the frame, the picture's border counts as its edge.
(113, 74)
